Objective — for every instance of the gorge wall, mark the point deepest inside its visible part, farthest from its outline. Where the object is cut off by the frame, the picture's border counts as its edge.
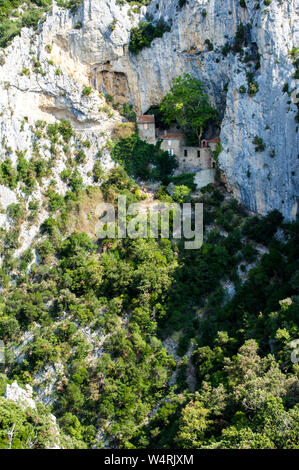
(98, 54)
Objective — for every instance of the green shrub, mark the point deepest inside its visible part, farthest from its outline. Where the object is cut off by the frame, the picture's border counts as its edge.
(56, 201)
(253, 87)
(259, 144)
(87, 90)
(80, 156)
(209, 44)
(8, 174)
(182, 3)
(76, 181)
(263, 229)
(15, 212)
(97, 172)
(181, 194)
(145, 33)
(186, 179)
(136, 156)
(31, 18)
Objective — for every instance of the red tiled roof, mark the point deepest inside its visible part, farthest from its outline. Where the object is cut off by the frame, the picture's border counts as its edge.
(172, 136)
(214, 141)
(146, 119)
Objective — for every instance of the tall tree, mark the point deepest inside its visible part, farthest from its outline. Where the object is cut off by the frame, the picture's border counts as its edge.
(188, 105)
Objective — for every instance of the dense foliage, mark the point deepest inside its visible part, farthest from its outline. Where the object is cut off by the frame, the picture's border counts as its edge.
(143, 34)
(132, 295)
(22, 428)
(143, 160)
(143, 343)
(188, 105)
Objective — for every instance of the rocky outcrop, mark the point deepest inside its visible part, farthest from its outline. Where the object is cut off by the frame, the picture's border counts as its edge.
(41, 81)
(21, 396)
(97, 53)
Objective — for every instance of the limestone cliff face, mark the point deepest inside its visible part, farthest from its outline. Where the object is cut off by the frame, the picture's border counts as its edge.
(268, 179)
(98, 54)
(20, 395)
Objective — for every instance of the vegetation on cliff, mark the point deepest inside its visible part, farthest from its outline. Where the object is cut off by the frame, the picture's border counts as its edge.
(141, 343)
(134, 295)
(16, 14)
(188, 105)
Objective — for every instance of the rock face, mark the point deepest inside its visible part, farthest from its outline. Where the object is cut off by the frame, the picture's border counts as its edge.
(97, 53)
(269, 179)
(20, 395)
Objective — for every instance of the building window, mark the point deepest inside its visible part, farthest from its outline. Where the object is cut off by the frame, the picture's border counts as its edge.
(198, 153)
(171, 152)
(145, 127)
(185, 153)
(169, 143)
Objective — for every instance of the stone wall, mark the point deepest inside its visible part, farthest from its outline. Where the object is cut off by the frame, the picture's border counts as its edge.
(147, 132)
(174, 146)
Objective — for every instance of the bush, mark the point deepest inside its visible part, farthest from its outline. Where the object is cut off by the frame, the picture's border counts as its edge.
(86, 90)
(97, 172)
(181, 194)
(209, 44)
(8, 174)
(8, 30)
(186, 179)
(182, 3)
(76, 181)
(136, 156)
(9, 328)
(56, 201)
(259, 144)
(145, 33)
(65, 129)
(48, 226)
(262, 229)
(253, 86)
(80, 156)
(15, 212)
(128, 112)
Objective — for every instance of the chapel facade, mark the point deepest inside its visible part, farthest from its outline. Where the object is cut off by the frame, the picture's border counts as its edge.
(190, 159)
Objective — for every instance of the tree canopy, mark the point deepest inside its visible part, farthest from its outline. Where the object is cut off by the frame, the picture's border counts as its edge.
(188, 105)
